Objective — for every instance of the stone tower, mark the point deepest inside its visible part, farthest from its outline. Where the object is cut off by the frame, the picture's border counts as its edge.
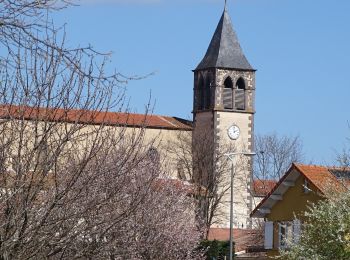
(224, 89)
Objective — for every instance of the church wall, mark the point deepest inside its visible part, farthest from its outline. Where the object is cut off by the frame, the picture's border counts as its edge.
(245, 121)
(84, 136)
(216, 121)
(242, 174)
(203, 145)
(165, 139)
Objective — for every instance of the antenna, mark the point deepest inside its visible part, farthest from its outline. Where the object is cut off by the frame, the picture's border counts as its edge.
(225, 4)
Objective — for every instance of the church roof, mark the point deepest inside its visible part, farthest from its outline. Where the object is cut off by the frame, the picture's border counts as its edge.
(224, 50)
(91, 117)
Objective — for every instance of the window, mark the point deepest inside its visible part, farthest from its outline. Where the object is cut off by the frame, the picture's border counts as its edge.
(306, 186)
(288, 233)
(240, 94)
(228, 94)
(153, 155)
(284, 233)
(200, 95)
(181, 170)
(208, 93)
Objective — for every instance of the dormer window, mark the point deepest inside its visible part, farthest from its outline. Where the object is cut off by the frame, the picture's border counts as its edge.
(240, 94)
(306, 186)
(228, 94)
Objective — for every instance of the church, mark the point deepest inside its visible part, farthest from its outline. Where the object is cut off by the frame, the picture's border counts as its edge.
(223, 125)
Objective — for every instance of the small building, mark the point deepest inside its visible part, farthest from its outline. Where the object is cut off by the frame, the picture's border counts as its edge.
(283, 208)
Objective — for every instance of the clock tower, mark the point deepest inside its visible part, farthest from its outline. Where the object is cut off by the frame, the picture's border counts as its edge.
(223, 111)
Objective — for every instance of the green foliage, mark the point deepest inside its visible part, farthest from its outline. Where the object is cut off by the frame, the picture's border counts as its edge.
(326, 235)
(215, 249)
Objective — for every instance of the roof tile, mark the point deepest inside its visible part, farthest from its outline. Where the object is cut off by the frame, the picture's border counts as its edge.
(93, 117)
(263, 187)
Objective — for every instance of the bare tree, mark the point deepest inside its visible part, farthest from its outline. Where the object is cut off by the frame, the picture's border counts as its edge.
(275, 154)
(75, 183)
(343, 157)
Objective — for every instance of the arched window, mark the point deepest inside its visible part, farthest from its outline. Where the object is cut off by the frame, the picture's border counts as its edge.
(228, 93)
(208, 92)
(240, 94)
(200, 96)
(181, 170)
(153, 156)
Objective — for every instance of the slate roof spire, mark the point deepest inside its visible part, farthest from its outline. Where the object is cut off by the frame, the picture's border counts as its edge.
(224, 50)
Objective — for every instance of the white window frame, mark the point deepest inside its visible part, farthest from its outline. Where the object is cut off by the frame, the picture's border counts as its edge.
(291, 233)
(306, 186)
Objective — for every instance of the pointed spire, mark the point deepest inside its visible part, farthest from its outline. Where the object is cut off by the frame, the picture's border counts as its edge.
(224, 50)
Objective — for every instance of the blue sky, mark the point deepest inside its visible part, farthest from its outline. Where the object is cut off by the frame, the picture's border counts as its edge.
(301, 49)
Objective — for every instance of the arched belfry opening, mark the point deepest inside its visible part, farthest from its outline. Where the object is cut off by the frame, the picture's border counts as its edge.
(228, 93)
(240, 84)
(200, 91)
(240, 94)
(208, 92)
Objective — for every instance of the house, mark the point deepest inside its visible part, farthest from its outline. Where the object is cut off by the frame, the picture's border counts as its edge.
(284, 207)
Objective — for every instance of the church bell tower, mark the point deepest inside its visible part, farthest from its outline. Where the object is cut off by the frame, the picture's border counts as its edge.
(223, 108)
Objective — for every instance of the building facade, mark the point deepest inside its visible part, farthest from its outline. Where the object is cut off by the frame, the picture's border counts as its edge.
(283, 208)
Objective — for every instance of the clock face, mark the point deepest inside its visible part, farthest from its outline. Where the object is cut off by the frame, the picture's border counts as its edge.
(233, 132)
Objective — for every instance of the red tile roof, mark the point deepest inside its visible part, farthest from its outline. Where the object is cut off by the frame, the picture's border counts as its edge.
(320, 176)
(243, 238)
(93, 117)
(262, 187)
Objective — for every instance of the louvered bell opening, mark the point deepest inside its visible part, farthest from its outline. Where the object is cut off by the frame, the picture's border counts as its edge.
(199, 99)
(207, 98)
(239, 99)
(227, 98)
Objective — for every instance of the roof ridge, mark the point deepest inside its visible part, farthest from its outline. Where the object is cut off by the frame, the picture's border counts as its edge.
(311, 165)
(320, 176)
(164, 119)
(22, 107)
(327, 167)
(91, 116)
(221, 38)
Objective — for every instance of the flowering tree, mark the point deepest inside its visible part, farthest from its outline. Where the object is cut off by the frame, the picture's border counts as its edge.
(326, 233)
